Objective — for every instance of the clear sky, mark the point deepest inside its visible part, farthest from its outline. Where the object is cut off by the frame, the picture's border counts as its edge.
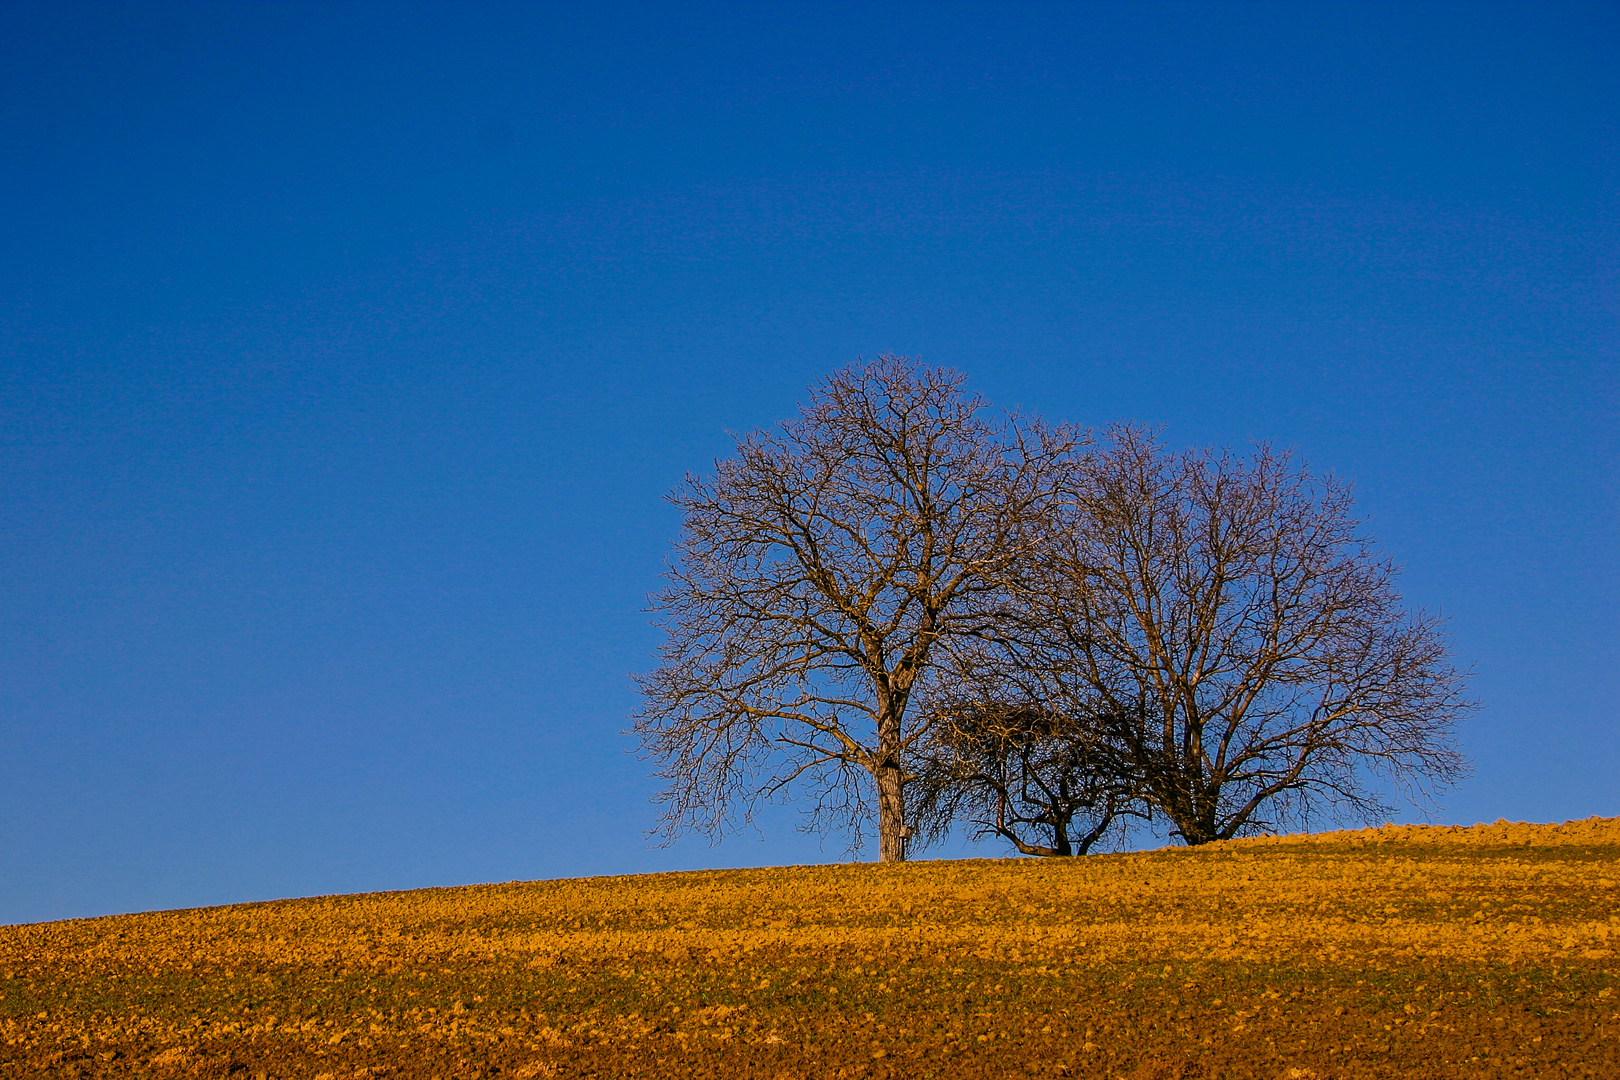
(346, 351)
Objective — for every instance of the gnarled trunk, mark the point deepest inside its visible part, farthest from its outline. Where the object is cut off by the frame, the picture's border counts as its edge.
(890, 780)
(891, 812)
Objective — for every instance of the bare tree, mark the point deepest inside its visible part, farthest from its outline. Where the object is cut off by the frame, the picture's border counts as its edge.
(1047, 783)
(819, 575)
(1238, 640)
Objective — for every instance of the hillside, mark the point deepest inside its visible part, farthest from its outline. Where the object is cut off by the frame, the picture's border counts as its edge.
(1401, 951)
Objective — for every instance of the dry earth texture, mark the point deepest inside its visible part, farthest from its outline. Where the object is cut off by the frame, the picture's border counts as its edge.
(1401, 951)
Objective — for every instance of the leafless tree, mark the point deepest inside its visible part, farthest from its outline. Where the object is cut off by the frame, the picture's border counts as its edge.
(1238, 640)
(820, 574)
(1046, 782)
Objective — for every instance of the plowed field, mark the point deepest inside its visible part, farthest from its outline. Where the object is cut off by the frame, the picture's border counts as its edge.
(1402, 951)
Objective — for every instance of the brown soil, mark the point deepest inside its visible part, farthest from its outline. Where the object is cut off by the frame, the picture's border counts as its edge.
(1471, 953)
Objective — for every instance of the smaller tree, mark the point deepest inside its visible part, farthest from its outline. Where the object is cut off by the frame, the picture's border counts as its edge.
(1040, 779)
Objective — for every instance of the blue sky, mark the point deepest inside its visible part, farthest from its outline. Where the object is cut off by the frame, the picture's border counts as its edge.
(346, 352)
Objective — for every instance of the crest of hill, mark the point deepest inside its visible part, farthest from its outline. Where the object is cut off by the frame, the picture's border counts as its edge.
(1587, 832)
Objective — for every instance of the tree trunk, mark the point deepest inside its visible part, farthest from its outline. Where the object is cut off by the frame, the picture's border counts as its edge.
(890, 781)
(891, 810)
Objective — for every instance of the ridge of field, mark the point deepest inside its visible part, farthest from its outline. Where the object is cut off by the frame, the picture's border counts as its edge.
(1397, 951)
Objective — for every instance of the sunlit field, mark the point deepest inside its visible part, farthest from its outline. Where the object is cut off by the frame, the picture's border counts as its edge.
(1402, 951)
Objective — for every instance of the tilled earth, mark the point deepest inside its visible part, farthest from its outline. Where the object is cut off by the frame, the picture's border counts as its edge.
(1382, 953)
